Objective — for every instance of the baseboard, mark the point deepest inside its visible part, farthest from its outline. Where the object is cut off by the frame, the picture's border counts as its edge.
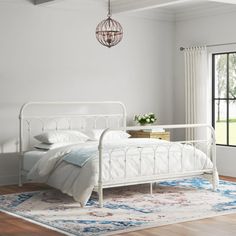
(8, 180)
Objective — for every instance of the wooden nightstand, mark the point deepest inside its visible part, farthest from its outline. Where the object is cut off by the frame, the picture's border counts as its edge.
(149, 134)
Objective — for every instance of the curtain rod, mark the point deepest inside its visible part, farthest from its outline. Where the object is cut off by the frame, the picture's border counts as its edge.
(212, 45)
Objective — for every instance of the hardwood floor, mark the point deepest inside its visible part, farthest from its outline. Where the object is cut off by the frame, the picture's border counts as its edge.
(11, 226)
(217, 226)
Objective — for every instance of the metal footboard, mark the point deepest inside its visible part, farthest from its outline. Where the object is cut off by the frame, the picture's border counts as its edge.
(209, 150)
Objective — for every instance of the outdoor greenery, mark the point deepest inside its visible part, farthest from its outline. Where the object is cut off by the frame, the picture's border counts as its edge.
(222, 63)
(230, 120)
(221, 133)
(221, 69)
(232, 76)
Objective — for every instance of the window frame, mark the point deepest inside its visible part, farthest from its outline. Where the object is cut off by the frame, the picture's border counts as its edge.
(227, 99)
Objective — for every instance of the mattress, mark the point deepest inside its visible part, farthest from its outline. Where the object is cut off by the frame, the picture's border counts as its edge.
(31, 158)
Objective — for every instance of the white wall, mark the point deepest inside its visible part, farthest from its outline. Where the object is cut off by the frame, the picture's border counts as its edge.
(48, 53)
(204, 31)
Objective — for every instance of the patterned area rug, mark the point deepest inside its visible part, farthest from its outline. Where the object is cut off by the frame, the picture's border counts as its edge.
(125, 209)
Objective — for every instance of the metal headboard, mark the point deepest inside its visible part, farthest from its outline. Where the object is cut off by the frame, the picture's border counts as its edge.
(78, 117)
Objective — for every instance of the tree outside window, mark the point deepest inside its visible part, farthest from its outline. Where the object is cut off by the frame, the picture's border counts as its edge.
(224, 98)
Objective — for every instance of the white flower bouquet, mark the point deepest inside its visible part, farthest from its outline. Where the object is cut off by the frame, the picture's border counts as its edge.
(145, 119)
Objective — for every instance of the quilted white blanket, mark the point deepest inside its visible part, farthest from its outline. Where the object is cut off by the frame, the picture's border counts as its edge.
(79, 182)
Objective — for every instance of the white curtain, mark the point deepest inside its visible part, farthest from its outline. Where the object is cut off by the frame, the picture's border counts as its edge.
(196, 89)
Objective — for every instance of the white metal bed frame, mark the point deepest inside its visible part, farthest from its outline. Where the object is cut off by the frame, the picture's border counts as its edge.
(152, 178)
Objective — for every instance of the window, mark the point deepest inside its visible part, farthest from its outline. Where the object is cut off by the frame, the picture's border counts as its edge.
(224, 98)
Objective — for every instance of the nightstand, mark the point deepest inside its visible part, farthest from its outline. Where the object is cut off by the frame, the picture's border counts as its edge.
(149, 134)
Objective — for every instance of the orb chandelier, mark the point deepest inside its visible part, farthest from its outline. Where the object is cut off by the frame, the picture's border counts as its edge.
(109, 32)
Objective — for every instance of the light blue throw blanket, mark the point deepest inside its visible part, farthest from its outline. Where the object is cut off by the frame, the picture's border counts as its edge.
(80, 156)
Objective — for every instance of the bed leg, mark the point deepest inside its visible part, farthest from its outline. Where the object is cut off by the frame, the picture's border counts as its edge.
(215, 178)
(100, 195)
(20, 171)
(20, 179)
(151, 189)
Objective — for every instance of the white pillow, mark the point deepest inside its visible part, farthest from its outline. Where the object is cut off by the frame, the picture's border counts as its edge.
(109, 136)
(47, 147)
(62, 136)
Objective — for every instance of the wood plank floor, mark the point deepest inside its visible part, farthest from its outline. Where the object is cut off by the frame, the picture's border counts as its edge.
(217, 226)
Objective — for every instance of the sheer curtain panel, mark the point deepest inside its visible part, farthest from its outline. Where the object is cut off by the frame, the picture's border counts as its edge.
(196, 89)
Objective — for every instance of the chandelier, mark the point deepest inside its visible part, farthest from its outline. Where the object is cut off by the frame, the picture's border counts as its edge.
(109, 32)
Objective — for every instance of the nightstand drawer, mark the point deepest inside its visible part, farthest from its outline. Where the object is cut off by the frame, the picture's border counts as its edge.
(164, 136)
(157, 135)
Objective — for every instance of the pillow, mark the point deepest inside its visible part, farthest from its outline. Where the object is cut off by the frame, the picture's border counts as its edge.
(62, 136)
(47, 147)
(111, 135)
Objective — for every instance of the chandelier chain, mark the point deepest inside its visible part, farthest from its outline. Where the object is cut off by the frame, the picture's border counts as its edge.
(109, 8)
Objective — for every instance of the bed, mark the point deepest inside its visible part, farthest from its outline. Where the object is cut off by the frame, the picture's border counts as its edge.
(106, 162)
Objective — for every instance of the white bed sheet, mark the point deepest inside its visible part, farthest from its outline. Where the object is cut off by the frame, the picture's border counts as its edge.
(79, 182)
(31, 158)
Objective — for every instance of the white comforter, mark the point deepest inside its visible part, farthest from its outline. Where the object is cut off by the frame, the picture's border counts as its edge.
(79, 182)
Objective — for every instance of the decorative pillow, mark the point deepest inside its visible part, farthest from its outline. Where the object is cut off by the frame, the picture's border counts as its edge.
(109, 136)
(47, 147)
(62, 136)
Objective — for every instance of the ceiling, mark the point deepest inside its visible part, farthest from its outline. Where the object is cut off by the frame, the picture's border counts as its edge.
(189, 6)
(194, 9)
(174, 7)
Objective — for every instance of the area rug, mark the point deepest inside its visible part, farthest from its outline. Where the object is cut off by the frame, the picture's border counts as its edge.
(125, 209)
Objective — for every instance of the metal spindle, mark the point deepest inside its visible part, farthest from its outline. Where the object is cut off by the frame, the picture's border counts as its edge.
(194, 156)
(125, 159)
(151, 189)
(110, 157)
(56, 124)
(29, 131)
(168, 158)
(140, 161)
(69, 123)
(95, 122)
(181, 157)
(107, 121)
(154, 170)
(118, 122)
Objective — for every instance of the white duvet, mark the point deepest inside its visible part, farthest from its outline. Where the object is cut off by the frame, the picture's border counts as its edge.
(79, 182)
